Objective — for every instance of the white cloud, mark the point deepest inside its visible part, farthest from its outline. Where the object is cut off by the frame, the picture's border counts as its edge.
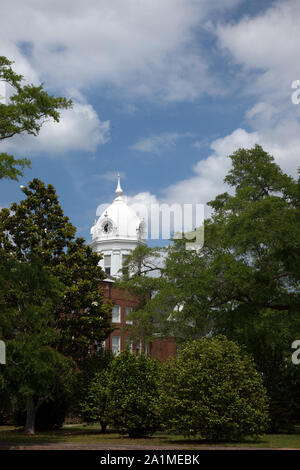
(283, 143)
(141, 47)
(10, 50)
(156, 143)
(266, 47)
(209, 173)
(135, 47)
(79, 129)
(269, 70)
(276, 31)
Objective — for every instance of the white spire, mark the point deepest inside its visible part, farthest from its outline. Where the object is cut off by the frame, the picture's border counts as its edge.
(119, 190)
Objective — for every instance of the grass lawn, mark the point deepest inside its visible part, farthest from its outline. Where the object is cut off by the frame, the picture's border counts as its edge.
(87, 434)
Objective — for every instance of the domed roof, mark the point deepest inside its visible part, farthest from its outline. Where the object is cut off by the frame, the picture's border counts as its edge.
(118, 221)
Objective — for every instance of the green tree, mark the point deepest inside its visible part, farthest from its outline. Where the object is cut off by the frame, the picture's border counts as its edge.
(95, 407)
(133, 394)
(143, 277)
(37, 225)
(27, 323)
(212, 390)
(244, 282)
(28, 108)
(92, 365)
(251, 254)
(250, 259)
(260, 232)
(36, 232)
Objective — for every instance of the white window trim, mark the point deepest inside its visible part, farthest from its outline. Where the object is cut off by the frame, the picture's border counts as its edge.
(115, 350)
(119, 314)
(128, 322)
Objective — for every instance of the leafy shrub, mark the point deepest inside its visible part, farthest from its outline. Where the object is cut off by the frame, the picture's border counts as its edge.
(133, 391)
(213, 390)
(95, 407)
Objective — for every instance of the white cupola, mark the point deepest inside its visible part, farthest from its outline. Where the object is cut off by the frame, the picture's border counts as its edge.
(117, 232)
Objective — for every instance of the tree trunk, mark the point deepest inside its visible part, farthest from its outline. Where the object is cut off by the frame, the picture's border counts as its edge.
(30, 416)
(103, 427)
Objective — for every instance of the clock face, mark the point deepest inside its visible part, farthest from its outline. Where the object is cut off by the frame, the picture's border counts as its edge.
(107, 226)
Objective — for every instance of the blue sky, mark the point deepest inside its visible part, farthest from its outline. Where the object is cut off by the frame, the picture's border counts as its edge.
(163, 91)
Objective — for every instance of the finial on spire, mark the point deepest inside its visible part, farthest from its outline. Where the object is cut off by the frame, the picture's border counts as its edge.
(119, 190)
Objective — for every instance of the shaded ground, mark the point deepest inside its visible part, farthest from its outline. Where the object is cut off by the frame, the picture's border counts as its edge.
(61, 446)
(90, 438)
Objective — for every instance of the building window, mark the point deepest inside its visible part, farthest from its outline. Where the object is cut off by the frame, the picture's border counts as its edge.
(116, 314)
(107, 264)
(115, 344)
(128, 312)
(139, 347)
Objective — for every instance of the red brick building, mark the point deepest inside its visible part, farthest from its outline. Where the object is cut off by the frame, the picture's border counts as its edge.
(117, 232)
(118, 340)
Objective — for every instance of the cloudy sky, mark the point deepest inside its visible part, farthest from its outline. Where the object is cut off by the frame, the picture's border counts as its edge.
(163, 91)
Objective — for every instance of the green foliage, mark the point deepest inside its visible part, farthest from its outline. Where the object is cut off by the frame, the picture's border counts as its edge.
(51, 304)
(6, 401)
(251, 256)
(83, 316)
(9, 164)
(144, 277)
(50, 281)
(37, 225)
(123, 394)
(27, 323)
(268, 335)
(51, 414)
(96, 405)
(282, 380)
(28, 108)
(213, 391)
(133, 394)
(244, 282)
(92, 365)
(258, 231)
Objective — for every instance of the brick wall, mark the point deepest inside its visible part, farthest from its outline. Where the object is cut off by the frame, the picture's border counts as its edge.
(159, 349)
(163, 348)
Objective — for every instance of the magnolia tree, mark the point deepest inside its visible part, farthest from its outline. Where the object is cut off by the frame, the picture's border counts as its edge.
(28, 291)
(95, 407)
(213, 391)
(125, 395)
(64, 313)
